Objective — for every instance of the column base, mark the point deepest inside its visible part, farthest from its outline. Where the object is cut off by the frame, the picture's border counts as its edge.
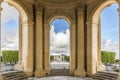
(39, 74)
(30, 74)
(119, 76)
(72, 72)
(80, 73)
(101, 67)
(19, 67)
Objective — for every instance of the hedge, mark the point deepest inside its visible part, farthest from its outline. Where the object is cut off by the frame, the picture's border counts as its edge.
(108, 57)
(10, 56)
(67, 58)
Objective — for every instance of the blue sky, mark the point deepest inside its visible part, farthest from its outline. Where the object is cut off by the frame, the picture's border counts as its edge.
(109, 29)
(109, 23)
(60, 25)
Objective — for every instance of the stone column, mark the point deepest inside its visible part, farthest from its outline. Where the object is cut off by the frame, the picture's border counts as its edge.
(27, 47)
(92, 48)
(100, 66)
(46, 48)
(80, 71)
(72, 48)
(99, 41)
(19, 66)
(39, 72)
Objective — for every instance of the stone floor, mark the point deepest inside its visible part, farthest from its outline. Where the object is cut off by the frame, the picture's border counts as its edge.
(60, 78)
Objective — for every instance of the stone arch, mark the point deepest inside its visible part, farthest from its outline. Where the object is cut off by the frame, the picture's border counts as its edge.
(94, 37)
(25, 62)
(53, 17)
(72, 39)
(24, 13)
(99, 8)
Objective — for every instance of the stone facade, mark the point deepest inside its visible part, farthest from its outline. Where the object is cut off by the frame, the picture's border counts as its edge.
(84, 19)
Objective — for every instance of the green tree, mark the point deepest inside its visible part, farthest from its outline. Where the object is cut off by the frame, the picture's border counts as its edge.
(51, 58)
(108, 57)
(67, 58)
(10, 56)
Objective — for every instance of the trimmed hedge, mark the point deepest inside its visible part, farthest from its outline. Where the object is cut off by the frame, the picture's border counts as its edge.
(51, 58)
(10, 56)
(108, 57)
(67, 58)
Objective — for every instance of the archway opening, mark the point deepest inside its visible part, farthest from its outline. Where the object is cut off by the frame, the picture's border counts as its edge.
(9, 37)
(110, 37)
(24, 22)
(59, 44)
(96, 38)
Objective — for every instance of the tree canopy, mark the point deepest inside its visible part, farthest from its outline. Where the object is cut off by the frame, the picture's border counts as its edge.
(108, 57)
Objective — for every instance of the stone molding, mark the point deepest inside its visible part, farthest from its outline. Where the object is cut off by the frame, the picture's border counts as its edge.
(27, 22)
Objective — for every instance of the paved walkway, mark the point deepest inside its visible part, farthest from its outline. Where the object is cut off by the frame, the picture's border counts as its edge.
(61, 78)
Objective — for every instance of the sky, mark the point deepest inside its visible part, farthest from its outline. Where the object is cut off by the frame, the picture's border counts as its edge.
(59, 33)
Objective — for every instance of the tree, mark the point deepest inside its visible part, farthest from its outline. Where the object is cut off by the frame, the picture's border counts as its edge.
(67, 58)
(108, 57)
(10, 56)
(51, 58)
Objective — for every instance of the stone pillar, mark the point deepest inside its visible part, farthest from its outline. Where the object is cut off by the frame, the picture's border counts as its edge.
(39, 72)
(99, 41)
(19, 66)
(72, 48)
(27, 47)
(46, 48)
(80, 71)
(92, 48)
(100, 67)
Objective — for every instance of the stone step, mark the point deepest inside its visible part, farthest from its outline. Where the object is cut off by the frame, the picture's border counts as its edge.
(59, 72)
(16, 75)
(105, 76)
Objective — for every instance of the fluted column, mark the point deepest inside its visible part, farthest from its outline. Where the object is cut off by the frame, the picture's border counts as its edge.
(72, 48)
(80, 71)
(46, 48)
(27, 47)
(39, 72)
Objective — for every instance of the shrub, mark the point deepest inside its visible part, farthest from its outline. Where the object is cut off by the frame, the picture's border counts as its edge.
(51, 58)
(10, 56)
(108, 57)
(67, 58)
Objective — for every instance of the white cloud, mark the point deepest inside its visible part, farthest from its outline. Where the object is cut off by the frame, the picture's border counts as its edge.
(59, 42)
(9, 33)
(8, 13)
(109, 45)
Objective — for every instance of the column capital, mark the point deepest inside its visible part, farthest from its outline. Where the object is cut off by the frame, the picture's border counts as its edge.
(27, 23)
(90, 24)
(38, 7)
(80, 9)
(72, 26)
